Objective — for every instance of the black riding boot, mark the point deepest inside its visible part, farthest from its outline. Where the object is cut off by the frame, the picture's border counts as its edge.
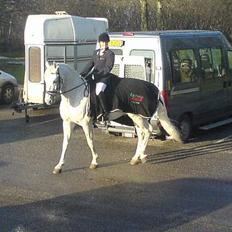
(102, 100)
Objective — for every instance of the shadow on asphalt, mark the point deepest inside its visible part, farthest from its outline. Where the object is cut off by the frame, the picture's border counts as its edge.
(101, 165)
(16, 129)
(212, 134)
(172, 156)
(3, 163)
(184, 153)
(124, 207)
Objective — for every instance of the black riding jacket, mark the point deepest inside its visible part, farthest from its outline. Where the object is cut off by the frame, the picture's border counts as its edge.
(102, 65)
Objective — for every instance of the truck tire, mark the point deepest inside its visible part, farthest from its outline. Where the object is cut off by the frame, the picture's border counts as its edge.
(185, 125)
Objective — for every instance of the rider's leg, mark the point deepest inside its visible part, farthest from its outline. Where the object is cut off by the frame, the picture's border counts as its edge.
(100, 88)
(102, 100)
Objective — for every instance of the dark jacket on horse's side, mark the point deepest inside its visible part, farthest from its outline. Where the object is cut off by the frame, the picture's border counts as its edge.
(128, 95)
(102, 65)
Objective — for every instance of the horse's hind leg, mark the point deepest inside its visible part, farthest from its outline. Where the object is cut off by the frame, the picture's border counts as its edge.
(67, 130)
(168, 126)
(88, 130)
(144, 130)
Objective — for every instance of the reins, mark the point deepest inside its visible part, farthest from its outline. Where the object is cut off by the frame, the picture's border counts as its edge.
(76, 87)
(67, 91)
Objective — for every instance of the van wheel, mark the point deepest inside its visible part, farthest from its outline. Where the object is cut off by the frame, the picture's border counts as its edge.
(7, 94)
(185, 125)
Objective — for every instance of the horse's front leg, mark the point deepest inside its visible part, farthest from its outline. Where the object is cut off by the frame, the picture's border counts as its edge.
(67, 131)
(135, 159)
(88, 130)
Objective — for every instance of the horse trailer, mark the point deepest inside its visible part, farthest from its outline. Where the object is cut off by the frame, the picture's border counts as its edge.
(58, 37)
(192, 69)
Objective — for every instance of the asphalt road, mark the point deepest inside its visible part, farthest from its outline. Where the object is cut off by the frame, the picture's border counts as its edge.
(182, 187)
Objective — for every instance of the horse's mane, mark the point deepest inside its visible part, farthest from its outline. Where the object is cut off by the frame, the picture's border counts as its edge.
(67, 71)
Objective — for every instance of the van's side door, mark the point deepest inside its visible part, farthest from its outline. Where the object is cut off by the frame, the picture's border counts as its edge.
(229, 79)
(185, 86)
(213, 90)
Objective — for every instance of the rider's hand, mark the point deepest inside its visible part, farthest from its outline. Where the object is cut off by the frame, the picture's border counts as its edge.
(82, 75)
(88, 77)
(95, 71)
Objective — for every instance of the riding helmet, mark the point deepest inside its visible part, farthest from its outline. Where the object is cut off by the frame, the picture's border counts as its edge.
(104, 37)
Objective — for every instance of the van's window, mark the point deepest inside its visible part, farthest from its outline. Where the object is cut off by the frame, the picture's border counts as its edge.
(34, 64)
(184, 66)
(149, 58)
(211, 62)
(117, 51)
(230, 61)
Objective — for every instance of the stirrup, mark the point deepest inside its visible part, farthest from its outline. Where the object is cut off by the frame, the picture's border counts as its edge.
(101, 120)
(105, 116)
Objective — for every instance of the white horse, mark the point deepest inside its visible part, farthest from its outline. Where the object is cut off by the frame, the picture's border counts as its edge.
(61, 79)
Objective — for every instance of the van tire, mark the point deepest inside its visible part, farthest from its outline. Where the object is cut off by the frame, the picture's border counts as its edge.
(185, 125)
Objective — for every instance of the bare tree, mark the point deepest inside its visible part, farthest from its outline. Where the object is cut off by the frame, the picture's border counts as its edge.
(123, 15)
(144, 15)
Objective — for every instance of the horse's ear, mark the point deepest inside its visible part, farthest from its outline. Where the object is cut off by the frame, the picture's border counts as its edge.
(47, 64)
(54, 64)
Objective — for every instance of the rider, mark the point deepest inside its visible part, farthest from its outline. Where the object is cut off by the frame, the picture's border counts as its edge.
(102, 63)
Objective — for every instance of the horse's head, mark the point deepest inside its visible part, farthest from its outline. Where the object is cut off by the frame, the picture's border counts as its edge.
(53, 84)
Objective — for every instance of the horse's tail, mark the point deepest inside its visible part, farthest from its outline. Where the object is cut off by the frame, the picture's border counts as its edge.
(161, 114)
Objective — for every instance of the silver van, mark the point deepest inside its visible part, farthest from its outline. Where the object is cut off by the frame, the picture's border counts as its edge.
(192, 69)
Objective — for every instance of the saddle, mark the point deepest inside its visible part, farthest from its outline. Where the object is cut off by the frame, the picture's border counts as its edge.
(125, 95)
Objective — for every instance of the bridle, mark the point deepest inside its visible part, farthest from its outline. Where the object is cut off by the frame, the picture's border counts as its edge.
(60, 82)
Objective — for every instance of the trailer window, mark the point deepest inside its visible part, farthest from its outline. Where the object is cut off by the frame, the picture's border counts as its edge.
(34, 64)
(211, 63)
(55, 53)
(149, 57)
(184, 66)
(74, 55)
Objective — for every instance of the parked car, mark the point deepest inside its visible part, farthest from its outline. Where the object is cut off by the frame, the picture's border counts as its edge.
(9, 90)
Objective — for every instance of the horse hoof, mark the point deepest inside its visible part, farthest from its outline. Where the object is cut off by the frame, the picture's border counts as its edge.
(134, 162)
(57, 171)
(93, 166)
(144, 160)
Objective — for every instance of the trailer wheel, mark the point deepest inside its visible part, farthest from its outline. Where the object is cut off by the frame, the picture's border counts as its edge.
(185, 125)
(27, 118)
